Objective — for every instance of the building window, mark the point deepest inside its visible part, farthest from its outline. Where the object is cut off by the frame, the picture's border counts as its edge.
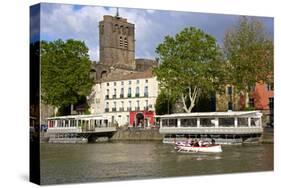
(122, 93)
(146, 91)
(138, 105)
(270, 86)
(125, 42)
(114, 83)
(146, 81)
(107, 107)
(122, 83)
(122, 106)
(114, 107)
(130, 106)
(138, 81)
(271, 103)
(107, 94)
(121, 41)
(107, 83)
(130, 82)
(114, 95)
(146, 105)
(129, 92)
(230, 106)
(137, 92)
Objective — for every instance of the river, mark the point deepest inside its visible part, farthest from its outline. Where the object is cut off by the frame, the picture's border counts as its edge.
(74, 163)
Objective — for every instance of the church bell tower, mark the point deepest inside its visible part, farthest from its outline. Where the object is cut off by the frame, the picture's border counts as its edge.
(117, 42)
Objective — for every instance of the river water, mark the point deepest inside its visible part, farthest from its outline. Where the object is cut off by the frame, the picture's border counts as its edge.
(74, 163)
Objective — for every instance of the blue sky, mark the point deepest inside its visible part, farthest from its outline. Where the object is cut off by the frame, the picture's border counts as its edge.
(151, 26)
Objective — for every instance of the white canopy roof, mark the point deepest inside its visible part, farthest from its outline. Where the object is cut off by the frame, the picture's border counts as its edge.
(213, 114)
(81, 117)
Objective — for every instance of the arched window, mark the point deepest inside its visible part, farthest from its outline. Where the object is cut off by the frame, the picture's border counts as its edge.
(116, 27)
(129, 92)
(103, 74)
(137, 91)
(93, 74)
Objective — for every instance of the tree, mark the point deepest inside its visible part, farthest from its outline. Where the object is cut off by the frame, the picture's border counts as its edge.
(249, 53)
(164, 102)
(65, 72)
(190, 64)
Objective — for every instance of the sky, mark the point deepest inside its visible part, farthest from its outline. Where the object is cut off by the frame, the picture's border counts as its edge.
(64, 21)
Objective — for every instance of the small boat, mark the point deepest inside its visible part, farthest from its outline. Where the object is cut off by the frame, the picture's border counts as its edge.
(205, 149)
(210, 148)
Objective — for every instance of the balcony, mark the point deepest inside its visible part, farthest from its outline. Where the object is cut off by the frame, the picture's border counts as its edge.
(146, 108)
(106, 109)
(145, 94)
(113, 109)
(129, 95)
(121, 109)
(106, 96)
(114, 96)
(129, 109)
(121, 96)
(137, 95)
(137, 108)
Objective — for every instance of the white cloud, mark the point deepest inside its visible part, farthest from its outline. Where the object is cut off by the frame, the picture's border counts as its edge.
(64, 21)
(81, 23)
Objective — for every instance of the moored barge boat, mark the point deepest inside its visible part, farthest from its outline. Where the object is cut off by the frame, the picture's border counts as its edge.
(232, 127)
(79, 128)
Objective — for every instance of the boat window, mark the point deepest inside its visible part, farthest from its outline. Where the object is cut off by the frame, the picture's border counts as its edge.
(226, 122)
(169, 122)
(207, 122)
(255, 122)
(189, 122)
(242, 122)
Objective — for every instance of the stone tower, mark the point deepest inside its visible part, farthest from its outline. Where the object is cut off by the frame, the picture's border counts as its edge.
(117, 42)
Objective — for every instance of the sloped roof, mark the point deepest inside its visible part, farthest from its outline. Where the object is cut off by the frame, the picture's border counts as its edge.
(127, 75)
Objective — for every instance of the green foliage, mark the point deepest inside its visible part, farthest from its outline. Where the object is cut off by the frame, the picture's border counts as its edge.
(190, 64)
(250, 54)
(164, 102)
(65, 72)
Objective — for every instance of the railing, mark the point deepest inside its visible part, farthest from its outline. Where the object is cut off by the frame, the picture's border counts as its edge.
(106, 96)
(137, 94)
(106, 109)
(113, 109)
(145, 94)
(129, 109)
(114, 96)
(121, 96)
(129, 95)
(209, 130)
(121, 109)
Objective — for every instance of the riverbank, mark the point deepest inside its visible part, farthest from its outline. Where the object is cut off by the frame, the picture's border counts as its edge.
(137, 134)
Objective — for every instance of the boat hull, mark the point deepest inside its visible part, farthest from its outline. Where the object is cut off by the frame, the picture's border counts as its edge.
(204, 149)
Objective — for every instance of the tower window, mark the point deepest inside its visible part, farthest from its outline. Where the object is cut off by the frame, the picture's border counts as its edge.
(102, 29)
(121, 42)
(125, 42)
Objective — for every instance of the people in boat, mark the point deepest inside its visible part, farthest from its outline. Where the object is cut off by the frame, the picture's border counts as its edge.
(200, 143)
(213, 141)
(196, 143)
